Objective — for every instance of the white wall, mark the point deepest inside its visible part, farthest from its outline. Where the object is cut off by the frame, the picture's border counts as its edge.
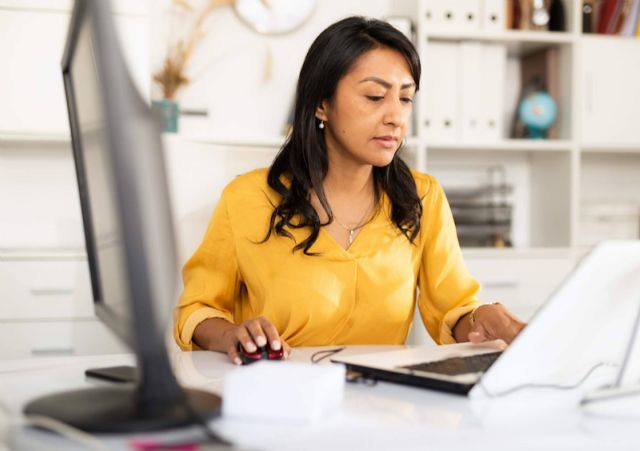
(245, 80)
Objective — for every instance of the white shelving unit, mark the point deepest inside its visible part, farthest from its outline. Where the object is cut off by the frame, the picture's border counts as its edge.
(596, 158)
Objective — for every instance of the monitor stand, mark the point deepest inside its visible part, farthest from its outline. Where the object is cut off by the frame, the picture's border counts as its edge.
(155, 402)
(124, 373)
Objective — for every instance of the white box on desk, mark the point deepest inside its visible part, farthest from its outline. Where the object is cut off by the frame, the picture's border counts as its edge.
(283, 391)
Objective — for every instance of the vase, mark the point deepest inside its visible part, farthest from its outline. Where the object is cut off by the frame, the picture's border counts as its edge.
(167, 111)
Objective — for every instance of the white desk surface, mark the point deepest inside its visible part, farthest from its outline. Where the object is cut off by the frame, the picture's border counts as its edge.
(380, 417)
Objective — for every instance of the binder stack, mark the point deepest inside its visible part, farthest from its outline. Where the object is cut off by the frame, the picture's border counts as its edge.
(465, 99)
(450, 16)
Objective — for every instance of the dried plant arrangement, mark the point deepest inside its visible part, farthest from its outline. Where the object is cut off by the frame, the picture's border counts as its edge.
(172, 75)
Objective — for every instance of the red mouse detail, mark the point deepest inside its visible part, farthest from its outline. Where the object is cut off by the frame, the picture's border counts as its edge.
(262, 353)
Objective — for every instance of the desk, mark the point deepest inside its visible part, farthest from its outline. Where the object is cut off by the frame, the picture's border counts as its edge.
(380, 417)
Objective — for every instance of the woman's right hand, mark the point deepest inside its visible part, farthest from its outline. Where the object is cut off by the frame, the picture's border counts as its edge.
(251, 335)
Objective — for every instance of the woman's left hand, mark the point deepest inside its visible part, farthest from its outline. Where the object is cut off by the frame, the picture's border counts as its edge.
(492, 322)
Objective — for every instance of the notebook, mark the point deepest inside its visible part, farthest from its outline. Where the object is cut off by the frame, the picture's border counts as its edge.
(585, 322)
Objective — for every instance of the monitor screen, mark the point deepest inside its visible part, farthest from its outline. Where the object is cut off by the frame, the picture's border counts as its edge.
(102, 227)
(129, 238)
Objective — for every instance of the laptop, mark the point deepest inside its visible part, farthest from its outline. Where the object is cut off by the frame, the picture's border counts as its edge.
(583, 324)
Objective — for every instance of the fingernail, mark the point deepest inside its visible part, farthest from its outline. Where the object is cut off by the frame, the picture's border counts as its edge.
(237, 361)
(275, 345)
(250, 347)
(261, 341)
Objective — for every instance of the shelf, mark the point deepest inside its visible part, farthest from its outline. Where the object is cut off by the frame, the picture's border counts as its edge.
(42, 254)
(596, 36)
(33, 138)
(507, 145)
(611, 148)
(518, 42)
(267, 142)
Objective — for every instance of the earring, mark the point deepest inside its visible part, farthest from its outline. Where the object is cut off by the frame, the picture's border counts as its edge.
(321, 125)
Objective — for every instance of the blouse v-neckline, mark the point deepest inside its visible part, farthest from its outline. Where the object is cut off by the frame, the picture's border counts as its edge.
(378, 210)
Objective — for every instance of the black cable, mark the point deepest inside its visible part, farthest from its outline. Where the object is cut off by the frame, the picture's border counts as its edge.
(551, 386)
(317, 357)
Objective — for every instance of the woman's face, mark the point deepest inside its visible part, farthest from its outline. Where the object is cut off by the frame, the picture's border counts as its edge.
(367, 118)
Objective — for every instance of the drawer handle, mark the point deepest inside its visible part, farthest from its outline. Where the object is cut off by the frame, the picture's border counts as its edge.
(51, 291)
(51, 351)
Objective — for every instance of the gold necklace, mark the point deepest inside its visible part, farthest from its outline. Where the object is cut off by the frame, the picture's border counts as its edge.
(352, 230)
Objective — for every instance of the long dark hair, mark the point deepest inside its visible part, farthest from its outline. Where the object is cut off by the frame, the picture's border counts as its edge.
(302, 162)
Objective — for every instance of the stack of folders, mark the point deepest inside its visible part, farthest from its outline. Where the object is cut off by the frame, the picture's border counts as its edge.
(482, 213)
(621, 17)
(465, 96)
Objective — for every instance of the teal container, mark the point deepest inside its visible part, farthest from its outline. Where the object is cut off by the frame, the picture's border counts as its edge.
(167, 112)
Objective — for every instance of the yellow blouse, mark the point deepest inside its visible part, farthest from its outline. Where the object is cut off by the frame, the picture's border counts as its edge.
(363, 295)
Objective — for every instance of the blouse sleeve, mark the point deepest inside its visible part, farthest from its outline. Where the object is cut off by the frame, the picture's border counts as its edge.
(446, 290)
(212, 281)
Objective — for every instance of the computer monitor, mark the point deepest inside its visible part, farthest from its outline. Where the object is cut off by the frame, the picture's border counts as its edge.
(128, 231)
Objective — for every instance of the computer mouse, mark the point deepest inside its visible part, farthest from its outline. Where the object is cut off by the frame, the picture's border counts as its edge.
(262, 353)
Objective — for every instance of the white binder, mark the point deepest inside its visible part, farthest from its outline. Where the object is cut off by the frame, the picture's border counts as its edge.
(493, 15)
(439, 16)
(452, 15)
(469, 14)
(441, 99)
(494, 61)
(471, 90)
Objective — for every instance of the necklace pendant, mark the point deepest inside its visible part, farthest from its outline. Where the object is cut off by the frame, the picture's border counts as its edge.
(351, 231)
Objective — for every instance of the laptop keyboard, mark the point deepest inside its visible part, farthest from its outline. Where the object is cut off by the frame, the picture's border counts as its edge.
(458, 365)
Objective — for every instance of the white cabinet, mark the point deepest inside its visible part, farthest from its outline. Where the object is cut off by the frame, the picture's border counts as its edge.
(521, 282)
(31, 45)
(45, 288)
(46, 303)
(46, 308)
(610, 102)
(25, 339)
(32, 38)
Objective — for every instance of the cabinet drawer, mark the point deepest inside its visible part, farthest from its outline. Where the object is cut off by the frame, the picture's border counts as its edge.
(45, 289)
(27, 339)
(521, 284)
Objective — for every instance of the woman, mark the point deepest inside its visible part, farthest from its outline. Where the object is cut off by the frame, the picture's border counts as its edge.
(329, 244)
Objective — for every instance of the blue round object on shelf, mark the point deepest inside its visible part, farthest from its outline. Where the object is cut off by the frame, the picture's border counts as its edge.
(538, 112)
